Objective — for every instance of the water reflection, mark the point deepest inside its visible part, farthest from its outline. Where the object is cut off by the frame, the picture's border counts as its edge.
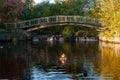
(63, 58)
(110, 60)
(60, 61)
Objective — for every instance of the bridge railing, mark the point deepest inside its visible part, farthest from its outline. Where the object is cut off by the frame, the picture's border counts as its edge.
(51, 19)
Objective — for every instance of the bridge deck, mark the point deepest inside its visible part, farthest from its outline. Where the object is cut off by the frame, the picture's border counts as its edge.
(50, 20)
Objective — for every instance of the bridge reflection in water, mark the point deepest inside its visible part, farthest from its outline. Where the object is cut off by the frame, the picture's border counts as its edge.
(85, 60)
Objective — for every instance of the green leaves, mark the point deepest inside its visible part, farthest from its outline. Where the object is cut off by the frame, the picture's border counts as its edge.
(72, 7)
(68, 32)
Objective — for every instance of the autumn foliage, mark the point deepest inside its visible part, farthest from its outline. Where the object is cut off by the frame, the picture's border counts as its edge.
(109, 13)
(10, 9)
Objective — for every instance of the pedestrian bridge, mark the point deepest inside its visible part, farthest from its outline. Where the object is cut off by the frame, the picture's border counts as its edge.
(37, 23)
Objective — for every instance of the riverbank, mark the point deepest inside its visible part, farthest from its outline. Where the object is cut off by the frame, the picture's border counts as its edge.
(115, 40)
(9, 35)
(60, 38)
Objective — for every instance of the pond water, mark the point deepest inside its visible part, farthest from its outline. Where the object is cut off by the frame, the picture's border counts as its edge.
(59, 61)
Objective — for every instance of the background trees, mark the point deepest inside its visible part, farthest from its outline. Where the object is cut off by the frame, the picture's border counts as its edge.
(70, 7)
(27, 10)
(15, 10)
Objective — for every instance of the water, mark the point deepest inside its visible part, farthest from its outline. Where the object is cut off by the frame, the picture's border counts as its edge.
(59, 61)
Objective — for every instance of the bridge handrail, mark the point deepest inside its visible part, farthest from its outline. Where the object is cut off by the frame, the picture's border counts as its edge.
(51, 19)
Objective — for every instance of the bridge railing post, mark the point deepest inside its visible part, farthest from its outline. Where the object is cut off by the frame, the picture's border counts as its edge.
(65, 18)
(44, 20)
(68, 18)
(47, 19)
(56, 18)
(87, 20)
(29, 22)
(96, 21)
(62, 19)
(59, 18)
(23, 24)
(15, 25)
(51, 19)
(39, 20)
(26, 23)
(81, 18)
(35, 22)
(5, 26)
(75, 18)
(92, 20)
(84, 19)
(20, 24)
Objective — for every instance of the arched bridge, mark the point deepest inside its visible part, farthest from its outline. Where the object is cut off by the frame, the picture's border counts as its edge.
(33, 24)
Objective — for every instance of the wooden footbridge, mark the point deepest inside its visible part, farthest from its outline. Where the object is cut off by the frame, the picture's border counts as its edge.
(33, 24)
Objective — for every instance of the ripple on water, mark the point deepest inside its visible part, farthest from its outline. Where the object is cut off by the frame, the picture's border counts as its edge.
(37, 74)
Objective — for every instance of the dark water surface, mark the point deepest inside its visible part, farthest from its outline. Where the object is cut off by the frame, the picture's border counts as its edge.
(59, 61)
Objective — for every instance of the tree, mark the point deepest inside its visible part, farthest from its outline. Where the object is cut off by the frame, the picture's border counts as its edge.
(109, 13)
(1, 1)
(27, 12)
(11, 9)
